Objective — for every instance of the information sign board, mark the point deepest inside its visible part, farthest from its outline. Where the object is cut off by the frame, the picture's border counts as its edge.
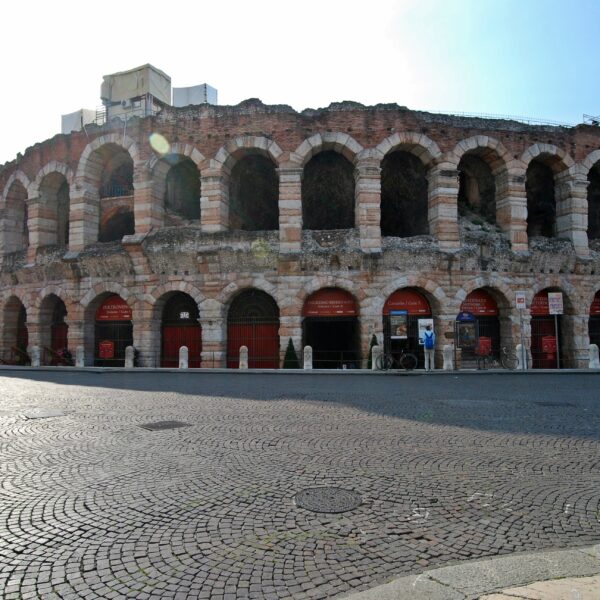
(555, 303)
(520, 298)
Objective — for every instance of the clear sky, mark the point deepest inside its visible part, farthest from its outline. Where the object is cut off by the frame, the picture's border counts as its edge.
(537, 58)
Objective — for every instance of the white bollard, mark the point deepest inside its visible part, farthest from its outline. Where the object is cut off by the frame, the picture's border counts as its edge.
(594, 361)
(243, 357)
(375, 354)
(79, 356)
(448, 353)
(308, 357)
(34, 353)
(129, 357)
(521, 364)
(183, 357)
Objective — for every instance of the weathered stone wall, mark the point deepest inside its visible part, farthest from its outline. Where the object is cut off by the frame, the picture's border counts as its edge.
(212, 263)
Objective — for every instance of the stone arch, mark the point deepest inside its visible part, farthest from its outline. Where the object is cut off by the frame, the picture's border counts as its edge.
(418, 144)
(107, 287)
(243, 145)
(341, 143)
(432, 291)
(591, 170)
(557, 158)
(16, 212)
(86, 169)
(51, 290)
(15, 336)
(330, 281)
(491, 150)
(176, 286)
(231, 290)
(50, 167)
(500, 291)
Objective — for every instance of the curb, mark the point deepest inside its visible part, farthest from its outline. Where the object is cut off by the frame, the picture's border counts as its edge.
(306, 372)
(470, 580)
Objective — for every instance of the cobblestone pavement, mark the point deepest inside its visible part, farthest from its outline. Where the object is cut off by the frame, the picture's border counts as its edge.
(449, 468)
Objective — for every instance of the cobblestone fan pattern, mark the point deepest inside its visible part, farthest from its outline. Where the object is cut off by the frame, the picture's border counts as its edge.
(449, 468)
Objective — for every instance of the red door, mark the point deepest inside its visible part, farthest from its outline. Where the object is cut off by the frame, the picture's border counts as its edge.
(58, 340)
(262, 341)
(176, 336)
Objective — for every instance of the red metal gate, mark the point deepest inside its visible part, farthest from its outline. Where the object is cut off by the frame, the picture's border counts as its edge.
(260, 337)
(176, 336)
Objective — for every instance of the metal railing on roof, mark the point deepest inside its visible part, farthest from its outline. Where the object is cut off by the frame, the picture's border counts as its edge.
(519, 119)
(103, 117)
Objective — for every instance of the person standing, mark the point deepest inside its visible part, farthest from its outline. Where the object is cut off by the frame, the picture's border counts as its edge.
(429, 348)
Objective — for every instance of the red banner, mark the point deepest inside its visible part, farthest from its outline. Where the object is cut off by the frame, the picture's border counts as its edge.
(539, 306)
(408, 300)
(595, 308)
(480, 303)
(330, 302)
(114, 308)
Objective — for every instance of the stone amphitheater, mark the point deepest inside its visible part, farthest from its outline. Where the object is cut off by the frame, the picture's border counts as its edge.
(217, 226)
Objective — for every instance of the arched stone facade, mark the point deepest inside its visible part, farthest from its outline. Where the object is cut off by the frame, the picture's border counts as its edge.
(212, 259)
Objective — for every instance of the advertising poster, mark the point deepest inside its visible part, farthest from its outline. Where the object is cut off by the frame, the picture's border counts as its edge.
(467, 334)
(422, 324)
(399, 324)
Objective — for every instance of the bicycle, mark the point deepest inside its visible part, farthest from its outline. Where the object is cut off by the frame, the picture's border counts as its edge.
(507, 360)
(405, 360)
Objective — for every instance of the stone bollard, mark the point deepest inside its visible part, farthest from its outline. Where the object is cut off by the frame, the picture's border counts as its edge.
(34, 353)
(448, 352)
(521, 364)
(129, 357)
(79, 356)
(183, 357)
(375, 354)
(594, 361)
(243, 357)
(308, 357)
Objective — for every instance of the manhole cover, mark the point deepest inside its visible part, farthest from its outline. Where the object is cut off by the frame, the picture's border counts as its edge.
(554, 404)
(43, 413)
(160, 425)
(327, 499)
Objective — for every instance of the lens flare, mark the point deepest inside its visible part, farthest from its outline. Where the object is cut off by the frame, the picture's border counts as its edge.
(159, 143)
(260, 248)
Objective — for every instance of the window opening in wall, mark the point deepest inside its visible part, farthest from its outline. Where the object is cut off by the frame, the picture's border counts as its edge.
(254, 194)
(54, 196)
(477, 189)
(541, 203)
(331, 327)
(180, 327)
(328, 192)
(594, 202)
(117, 175)
(182, 193)
(417, 307)
(17, 234)
(253, 321)
(403, 195)
(113, 332)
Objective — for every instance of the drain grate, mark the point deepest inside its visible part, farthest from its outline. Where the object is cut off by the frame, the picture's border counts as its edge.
(328, 499)
(162, 425)
(555, 404)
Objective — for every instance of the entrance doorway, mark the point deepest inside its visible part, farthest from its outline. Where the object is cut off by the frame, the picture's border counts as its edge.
(416, 307)
(545, 344)
(113, 332)
(253, 321)
(330, 326)
(180, 327)
(594, 322)
(484, 308)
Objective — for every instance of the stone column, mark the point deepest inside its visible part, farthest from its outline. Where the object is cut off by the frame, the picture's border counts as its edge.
(84, 214)
(576, 341)
(76, 333)
(144, 335)
(214, 334)
(511, 208)
(214, 203)
(443, 205)
(444, 324)
(290, 326)
(147, 209)
(572, 208)
(290, 208)
(367, 176)
(41, 223)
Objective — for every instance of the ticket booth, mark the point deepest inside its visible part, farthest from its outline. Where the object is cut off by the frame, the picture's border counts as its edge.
(330, 326)
(418, 313)
(113, 332)
(545, 343)
(594, 322)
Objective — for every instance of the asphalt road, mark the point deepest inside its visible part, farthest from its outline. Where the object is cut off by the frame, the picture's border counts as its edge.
(448, 468)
